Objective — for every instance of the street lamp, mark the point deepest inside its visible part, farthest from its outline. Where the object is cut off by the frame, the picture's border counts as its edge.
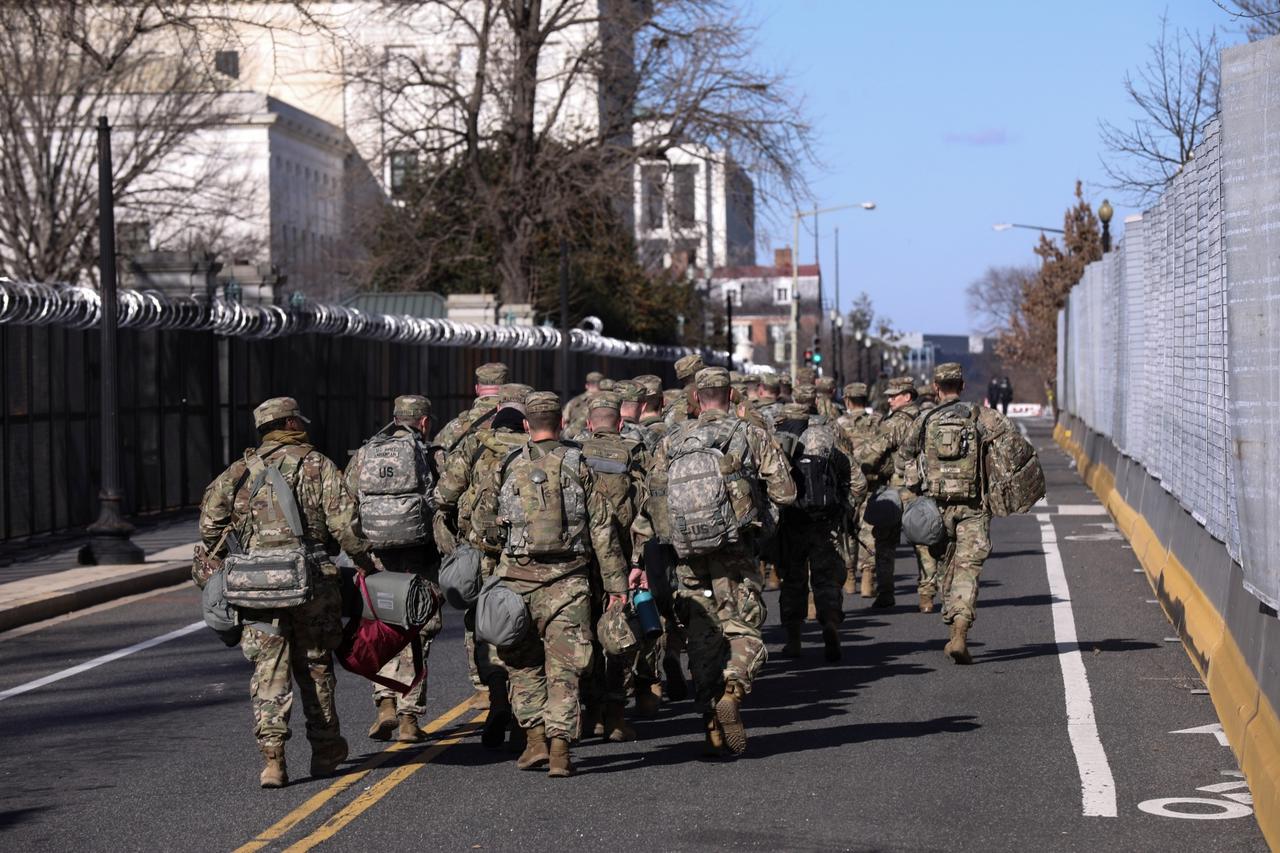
(1005, 226)
(1105, 212)
(795, 276)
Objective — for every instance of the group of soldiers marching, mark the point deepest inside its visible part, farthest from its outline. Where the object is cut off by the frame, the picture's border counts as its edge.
(696, 498)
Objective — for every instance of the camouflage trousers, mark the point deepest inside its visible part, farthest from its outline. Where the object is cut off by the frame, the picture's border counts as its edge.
(295, 645)
(648, 668)
(960, 557)
(400, 668)
(927, 580)
(482, 659)
(811, 558)
(720, 606)
(546, 666)
(876, 546)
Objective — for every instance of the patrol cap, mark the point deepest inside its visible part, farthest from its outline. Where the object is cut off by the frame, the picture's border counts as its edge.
(805, 393)
(948, 372)
(616, 633)
(493, 373)
(513, 394)
(595, 376)
(651, 384)
(737, 377)
(628, 391)
(825, 384)
(541, 401)
(411, 406)
(856, 390)
(899, 385)
(605, 400)
(795, 412)
(688, 367)
(712, 377)
(769, 380)
(606, 384)
(806, 375)
(275, 409)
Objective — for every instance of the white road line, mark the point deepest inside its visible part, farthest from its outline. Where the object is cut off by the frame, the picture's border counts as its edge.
(1097, 786)
(99, 661)
(1081, 509)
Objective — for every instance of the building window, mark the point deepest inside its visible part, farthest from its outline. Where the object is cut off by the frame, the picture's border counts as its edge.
(227, 63)
(403, 165)
(651, 196)
(134, 237)
(782, 294)
(684, 205)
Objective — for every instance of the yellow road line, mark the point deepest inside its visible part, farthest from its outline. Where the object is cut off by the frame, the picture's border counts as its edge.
(349, 778)
(362, 803)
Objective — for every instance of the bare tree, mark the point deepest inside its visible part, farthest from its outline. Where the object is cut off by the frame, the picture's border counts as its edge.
(1261, 18)
(995, 298)
(536, 121)
(1176, 93)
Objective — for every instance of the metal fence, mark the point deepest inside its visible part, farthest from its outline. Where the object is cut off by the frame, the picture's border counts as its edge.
(187, 393)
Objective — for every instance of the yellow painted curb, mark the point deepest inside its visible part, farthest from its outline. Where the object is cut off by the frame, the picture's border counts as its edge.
(1250, 722)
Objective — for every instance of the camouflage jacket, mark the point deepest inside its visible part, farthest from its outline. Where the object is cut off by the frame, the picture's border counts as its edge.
(601, 531)
(451, 432)
(575, 411)
(475, 460)
(770, 411)
(895, 430)
(623, 490)
(863, 429)
(678, 410)
(637, 432)
(328, 510)
(827, 407)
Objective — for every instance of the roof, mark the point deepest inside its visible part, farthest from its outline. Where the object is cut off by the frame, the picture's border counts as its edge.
(805, 270)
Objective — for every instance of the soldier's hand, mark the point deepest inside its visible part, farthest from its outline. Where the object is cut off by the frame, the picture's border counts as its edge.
(616, 599)
(637, 579)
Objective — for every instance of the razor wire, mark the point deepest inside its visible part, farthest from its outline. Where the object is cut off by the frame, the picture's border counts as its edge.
(80, 307)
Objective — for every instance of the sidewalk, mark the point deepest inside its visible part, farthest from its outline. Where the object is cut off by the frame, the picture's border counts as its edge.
(53, 584)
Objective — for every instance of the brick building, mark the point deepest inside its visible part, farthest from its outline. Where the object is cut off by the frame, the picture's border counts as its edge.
(761, 300)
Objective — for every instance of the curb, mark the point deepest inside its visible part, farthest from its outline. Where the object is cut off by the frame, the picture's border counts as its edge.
(23, 602)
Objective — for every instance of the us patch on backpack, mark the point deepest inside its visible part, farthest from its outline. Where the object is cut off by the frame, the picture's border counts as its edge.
(393, 480)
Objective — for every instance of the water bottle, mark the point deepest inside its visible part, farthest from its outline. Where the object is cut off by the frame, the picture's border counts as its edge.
(647, 612)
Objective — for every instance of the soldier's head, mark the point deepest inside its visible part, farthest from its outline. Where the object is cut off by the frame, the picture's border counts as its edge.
(784, 387)
(543, 418)
(632, 397)
(603, 413)
(489, 378)
(948, 380)
(279, 413)
(413, 411)
(512, 396)
(855, 396)
(767, 387)
(899, 391)
(795, 417)
(712, 388)
(805, 394)
(593, 381)
(652, 387)
(825, 387)
(687, 370)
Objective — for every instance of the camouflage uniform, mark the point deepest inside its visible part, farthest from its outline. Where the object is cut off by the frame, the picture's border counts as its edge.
(577, 407)
(493, 373)
(824, 403)
(677, 409)
(296, 642)
(719, 599)
(548, 663)
(863, 429)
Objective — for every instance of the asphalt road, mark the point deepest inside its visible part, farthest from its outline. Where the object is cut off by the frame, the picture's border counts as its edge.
(894, 748)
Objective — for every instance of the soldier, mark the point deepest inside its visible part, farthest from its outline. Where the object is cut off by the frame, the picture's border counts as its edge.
(829, 486)
(295, 642)
(959, 495)
(685, 406)
(768, 406)
(784, 388)
(576, 428)
(927, 400)
(651, 408)
(805, 394)
(863, 426)
(464, 514)
(824, 402)
(489, 377)
(394, 464)
(719, 592)
(618, 465)
(578, 405)
(554, 520)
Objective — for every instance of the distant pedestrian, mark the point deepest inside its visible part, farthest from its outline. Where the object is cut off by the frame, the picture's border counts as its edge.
(1006, 395)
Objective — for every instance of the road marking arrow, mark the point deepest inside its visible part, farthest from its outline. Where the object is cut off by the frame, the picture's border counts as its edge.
(1214, 729)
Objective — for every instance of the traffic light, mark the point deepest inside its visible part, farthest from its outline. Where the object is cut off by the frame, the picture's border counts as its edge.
(817, 357)
(808, 356)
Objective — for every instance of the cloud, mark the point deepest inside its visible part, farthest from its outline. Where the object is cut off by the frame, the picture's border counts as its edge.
(989, 136)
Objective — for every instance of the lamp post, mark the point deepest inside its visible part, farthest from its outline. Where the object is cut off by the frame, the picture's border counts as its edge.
(1105, 212)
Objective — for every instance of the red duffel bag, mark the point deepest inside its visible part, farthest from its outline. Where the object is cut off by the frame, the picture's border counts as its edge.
(369, 644)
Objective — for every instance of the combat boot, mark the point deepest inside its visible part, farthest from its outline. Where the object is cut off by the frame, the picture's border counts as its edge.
(535, 748)
(677, 689)
(408, 731)
(274, 774)
(648, 699)
(792, 647)
(480, 699)
(884, 599)
(957, 647)
(561, 763)
(616, 728)
(868, 584)
(729, 713)
(830, 635)
(714, 746)
(850, 584)
(495, 725)
(385, 724)
(326, 756)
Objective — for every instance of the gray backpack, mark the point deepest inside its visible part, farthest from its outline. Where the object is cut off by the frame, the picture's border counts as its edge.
(221, 617)
(922, 522)
(460, 576)
(502, 619)
(704, 509)
(393, 480)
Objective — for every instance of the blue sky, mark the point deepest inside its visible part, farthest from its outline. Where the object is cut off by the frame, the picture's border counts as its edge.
(953, 116)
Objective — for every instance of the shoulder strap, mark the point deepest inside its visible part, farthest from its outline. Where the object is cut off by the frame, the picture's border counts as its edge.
(475, 425)
(288, 502)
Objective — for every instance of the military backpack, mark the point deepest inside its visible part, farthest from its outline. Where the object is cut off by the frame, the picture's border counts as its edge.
(709, 497)
(1015, 480)
(612, 461)
(478, 506)
(813, 467)
(543, 504)
(951, 458)
(393, 481)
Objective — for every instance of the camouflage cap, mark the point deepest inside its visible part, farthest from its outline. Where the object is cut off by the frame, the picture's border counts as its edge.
(594, 376)
(712, 377)
(688, 367)
(275, 409)
(651, 384)
(805, 393)
(607, 384)
(670, 395)
(770, 381)
(948, 372)
(899, 385)
(825, 384)
(513, 393)
(411, 406)
(605, 400)
(795, 412)
(493, 373)
(628, 391)
(616, 634)
(737, 377)
(856, 390)
(541, 401)
(806, 375)
(784, 380)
